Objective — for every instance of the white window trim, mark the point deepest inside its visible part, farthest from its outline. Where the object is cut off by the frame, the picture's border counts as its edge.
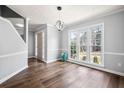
(102, 44)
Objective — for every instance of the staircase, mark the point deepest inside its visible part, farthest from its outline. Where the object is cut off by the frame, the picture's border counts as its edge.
(13, 51)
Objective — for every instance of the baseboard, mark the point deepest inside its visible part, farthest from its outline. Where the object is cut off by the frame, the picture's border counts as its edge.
(32, 57)
(54, 60)
(99, 68)
(45, 61)
(11, 75)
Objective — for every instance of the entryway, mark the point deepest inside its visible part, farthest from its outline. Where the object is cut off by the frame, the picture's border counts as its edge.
(39, 45)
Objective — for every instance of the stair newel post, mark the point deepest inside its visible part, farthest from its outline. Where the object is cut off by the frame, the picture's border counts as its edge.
(26, 28)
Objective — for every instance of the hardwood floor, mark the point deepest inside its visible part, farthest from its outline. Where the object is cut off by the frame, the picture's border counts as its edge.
(62, 75)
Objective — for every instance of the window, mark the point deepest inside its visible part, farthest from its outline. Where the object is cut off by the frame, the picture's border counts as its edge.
(86, 45)
(83, 47)
(96, 45)
(73, 45)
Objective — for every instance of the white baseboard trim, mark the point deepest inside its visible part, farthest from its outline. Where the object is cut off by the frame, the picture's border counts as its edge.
(99, 68)
(54, 60)
(32, 57)
(11, 75)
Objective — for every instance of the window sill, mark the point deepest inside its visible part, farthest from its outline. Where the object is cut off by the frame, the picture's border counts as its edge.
(86, 62)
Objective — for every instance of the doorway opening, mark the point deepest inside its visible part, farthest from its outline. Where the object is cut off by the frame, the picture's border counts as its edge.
(39, 45)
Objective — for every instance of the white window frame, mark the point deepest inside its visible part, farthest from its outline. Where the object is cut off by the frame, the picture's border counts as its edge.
(85, 30)
(79, 30)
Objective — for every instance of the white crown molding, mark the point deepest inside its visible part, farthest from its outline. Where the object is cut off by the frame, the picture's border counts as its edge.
(43, 26)
(50, 25)
(95, 17)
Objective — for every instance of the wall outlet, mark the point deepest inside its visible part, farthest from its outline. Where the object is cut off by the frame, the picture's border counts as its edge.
(119, 64)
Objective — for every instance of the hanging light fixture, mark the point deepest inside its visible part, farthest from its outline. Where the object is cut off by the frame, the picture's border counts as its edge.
(59, 24)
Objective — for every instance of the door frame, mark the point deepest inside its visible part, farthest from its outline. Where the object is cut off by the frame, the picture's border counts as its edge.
(43, 44)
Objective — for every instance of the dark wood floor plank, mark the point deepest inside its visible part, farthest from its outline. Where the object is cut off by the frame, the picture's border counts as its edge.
(121, 82)
(62, 75)
(114, 82)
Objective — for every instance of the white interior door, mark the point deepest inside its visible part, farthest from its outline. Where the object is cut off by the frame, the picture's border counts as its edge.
(40, 45)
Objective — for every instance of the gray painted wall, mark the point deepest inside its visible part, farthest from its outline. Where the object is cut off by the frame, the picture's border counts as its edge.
(12, 41)
(11, 65)
(31, 44)
(53, 43)
(13, 51)
(113, 39)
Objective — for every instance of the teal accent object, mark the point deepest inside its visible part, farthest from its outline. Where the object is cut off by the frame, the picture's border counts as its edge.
(64, 56)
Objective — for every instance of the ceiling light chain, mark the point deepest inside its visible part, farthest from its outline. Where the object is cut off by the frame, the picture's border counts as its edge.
(59, 24)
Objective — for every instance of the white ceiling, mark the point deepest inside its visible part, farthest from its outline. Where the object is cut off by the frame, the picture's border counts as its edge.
(42, 14)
